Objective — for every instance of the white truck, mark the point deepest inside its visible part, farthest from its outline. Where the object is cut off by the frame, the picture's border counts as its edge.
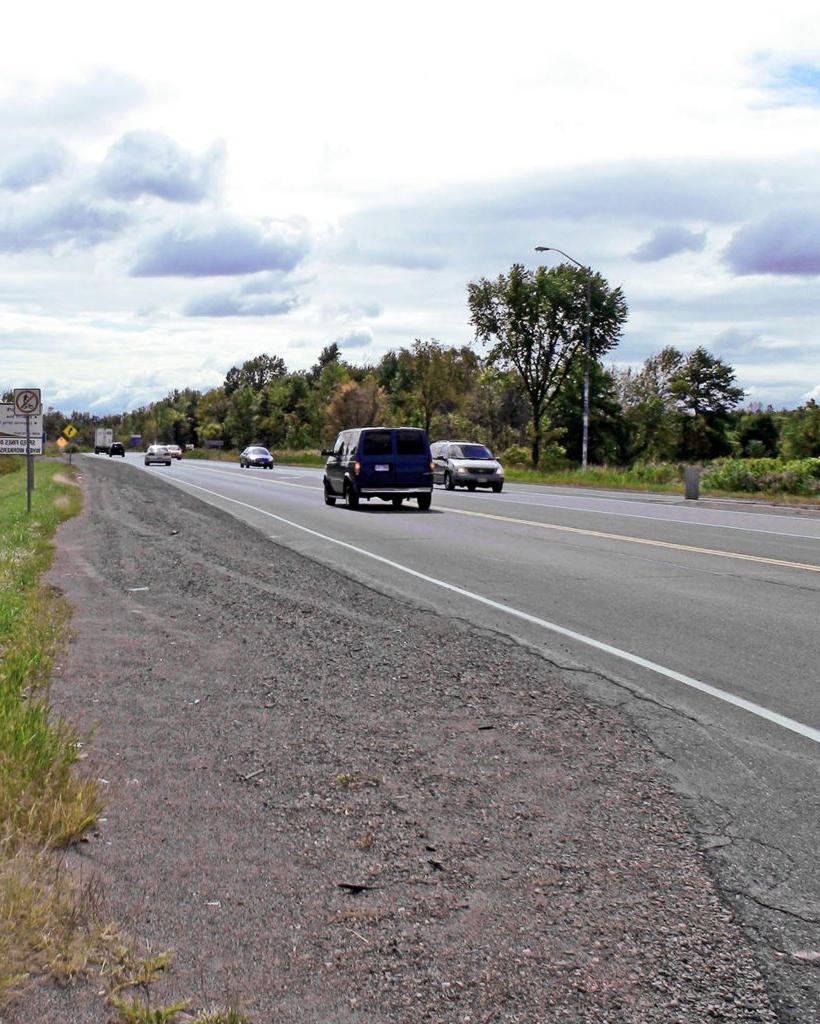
(103, 436)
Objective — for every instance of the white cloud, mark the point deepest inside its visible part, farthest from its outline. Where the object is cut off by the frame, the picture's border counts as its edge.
(149, 163)
(386, 184)
(219, 246)
(32, 166)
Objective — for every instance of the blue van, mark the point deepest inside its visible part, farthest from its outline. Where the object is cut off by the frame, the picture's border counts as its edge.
(390, 463)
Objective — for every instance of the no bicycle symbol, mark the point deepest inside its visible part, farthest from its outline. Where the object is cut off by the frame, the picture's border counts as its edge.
(27, 401)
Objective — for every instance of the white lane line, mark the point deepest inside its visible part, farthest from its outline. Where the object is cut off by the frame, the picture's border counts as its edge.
(508, 499)
(270, 479)
(696, 684)
(662, 519)
(624, 538)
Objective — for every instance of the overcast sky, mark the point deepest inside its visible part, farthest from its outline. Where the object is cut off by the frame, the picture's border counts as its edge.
(184, 186)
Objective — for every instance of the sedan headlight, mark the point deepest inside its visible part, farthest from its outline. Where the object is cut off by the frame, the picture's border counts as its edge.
(461, 469)
(500, 471)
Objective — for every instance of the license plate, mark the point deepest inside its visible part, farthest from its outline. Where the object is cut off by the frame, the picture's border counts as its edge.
(382, 469)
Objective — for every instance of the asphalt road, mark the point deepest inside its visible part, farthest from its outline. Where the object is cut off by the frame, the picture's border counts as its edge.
(701, 620)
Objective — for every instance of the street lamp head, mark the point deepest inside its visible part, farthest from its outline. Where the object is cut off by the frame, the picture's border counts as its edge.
(542, 248)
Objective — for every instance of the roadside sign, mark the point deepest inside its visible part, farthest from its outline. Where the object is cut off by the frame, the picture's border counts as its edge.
(70, 431)
(13, 432)
(27, 402)
(62, 443)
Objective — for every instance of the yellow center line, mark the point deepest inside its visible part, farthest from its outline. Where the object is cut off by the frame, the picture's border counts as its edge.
(737, 555)
(641, 540)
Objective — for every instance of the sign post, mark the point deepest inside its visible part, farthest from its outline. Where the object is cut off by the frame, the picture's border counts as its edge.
(27, 403)
(69, 433)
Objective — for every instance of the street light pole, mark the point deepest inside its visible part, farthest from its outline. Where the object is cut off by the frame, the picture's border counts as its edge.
(587, 347)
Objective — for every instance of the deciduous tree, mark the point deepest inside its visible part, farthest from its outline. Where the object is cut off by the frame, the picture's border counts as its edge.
(254, 373)
(356, 405)
(535, 322)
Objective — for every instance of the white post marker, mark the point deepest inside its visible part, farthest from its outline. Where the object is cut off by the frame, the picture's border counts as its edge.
(27, 402)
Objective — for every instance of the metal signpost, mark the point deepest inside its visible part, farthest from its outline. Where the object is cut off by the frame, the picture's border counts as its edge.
(69, 433)
(21, 431)
(27, 405)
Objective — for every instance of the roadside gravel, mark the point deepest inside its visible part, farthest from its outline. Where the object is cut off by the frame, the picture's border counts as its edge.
(339, 808)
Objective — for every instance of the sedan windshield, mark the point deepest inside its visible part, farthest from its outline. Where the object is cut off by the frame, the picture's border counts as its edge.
(258, 451)
(471, 451)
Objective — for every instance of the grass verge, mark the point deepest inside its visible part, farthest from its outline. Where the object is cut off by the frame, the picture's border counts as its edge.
(51, 924)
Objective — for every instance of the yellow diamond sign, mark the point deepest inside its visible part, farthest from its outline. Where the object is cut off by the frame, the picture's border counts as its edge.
(70, 431)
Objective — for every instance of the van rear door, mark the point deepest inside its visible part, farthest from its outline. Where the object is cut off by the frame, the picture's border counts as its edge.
(376, 458)
(412, 459)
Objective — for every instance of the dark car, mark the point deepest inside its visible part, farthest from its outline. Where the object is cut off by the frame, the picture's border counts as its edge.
(390, 463)
(117, 448)
(255, 455)
(466, 464)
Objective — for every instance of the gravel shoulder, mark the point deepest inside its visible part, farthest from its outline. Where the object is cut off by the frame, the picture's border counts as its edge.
(339, 808)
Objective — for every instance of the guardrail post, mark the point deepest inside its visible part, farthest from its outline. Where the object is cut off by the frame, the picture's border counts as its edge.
(691, 481)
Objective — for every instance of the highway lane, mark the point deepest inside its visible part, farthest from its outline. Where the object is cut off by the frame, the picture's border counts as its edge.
(727, 597)
(730, 599)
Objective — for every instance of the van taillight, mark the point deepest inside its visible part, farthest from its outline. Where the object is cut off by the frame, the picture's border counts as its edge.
(357, 468)
(430, 465)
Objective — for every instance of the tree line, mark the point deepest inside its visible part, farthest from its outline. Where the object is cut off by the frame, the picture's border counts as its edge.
(521, 395)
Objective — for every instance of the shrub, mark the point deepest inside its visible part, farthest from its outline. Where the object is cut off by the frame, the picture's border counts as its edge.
(517, 455)
(656, 472)
(769, 476)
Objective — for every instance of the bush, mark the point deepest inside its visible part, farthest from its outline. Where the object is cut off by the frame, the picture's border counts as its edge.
(655, 472)
(517, 455)
(769, 476)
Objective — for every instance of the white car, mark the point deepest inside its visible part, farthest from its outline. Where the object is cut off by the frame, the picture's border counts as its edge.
(466, 464)
(174, 451)
(157, 453)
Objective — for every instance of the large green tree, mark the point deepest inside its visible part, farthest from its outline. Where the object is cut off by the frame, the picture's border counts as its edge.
(704, 390)
(800, 432)
(439, 376)
(254, 373)
(608, 430)
(535, 321)
(679, 405)
(755, 434)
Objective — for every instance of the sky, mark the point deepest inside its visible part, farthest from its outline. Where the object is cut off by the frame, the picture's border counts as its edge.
(185, 186)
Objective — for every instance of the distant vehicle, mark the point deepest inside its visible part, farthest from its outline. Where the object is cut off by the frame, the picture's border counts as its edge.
(117, 448)
(157, 453)
(103, 436)
(466, 464)
(389, 463)
(255, 455)
(174, 451)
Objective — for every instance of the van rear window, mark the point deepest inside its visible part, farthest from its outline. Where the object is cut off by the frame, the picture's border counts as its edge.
(377, 442)
(410, 442)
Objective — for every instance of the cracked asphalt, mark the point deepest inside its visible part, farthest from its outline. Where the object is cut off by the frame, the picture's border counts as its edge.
(328, 823)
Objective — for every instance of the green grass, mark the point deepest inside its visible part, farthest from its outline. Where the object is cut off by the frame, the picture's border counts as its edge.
(308, 457)
(51, 924)
(664, 478)
(661, 478)
(41, 800)
(43, 803)
(10, 464)
(282, 456)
